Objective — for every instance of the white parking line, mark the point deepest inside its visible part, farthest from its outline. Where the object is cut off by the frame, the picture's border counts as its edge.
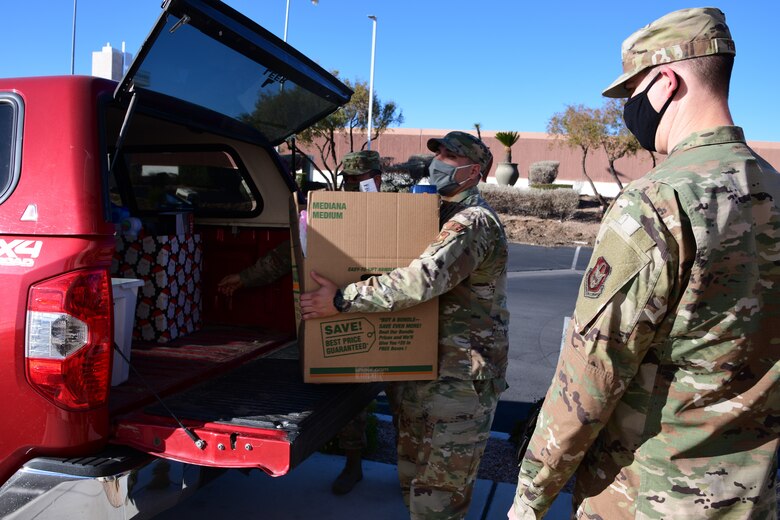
(576, 257)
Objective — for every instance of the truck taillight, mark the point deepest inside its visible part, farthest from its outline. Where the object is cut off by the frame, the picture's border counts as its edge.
(68, 338)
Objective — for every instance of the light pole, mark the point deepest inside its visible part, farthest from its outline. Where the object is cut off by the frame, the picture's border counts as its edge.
(286, 19)
(287, 16)
(73, 41)
(371, 81)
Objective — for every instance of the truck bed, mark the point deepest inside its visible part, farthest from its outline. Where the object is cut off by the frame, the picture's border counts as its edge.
(242, 395)
(173, 366)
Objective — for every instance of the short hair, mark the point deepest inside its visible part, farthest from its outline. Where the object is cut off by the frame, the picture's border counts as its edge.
(714, 72)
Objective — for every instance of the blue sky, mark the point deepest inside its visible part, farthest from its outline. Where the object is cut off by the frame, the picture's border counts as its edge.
(506, 64)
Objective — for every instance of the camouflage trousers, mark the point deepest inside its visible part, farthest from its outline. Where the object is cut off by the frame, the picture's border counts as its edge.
(353, 435)
(443, 427)
(394, 391)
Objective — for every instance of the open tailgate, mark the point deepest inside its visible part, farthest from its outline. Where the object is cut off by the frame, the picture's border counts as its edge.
(261, 415)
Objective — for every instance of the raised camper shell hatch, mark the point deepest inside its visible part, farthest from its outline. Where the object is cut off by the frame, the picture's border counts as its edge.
(253, 85)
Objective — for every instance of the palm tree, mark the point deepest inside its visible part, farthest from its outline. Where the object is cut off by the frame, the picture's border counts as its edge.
(507, 139)
(506, 172)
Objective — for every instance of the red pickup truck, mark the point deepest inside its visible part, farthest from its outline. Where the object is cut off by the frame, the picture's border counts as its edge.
(183, 146)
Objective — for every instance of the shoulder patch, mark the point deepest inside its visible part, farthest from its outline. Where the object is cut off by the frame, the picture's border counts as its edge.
(451, 225)
(595, 278)
(440, 238)
(450, 228)
(615, 262)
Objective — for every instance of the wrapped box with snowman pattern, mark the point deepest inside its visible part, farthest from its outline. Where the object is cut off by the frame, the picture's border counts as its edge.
(169, 304)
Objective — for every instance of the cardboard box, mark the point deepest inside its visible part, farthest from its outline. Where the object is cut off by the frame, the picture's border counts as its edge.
(124, 292)
(169, 303)
(350, 236)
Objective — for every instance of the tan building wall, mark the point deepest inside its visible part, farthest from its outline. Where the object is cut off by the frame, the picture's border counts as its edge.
(399, 143)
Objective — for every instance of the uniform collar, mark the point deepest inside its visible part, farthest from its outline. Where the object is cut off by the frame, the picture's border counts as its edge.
(463, 196)
(717, 135)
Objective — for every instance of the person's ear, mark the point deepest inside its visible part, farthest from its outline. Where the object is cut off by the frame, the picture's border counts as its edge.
(476, 172)
(671, 81)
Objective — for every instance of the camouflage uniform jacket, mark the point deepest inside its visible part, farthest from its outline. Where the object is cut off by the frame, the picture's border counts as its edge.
(466, 268)
(275, 264)
(665, 399)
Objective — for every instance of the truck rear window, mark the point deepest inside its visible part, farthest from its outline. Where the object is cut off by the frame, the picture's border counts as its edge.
(208, 182)
(10, 142)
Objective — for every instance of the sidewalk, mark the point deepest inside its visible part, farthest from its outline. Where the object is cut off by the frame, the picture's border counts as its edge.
(305, 493)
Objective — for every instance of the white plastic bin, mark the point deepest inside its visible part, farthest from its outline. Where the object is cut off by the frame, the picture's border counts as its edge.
(125, 294)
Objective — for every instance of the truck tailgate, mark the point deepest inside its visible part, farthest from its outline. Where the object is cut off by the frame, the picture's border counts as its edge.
(259, 415)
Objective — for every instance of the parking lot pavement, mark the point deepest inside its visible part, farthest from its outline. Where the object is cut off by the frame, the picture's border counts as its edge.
(305, 493)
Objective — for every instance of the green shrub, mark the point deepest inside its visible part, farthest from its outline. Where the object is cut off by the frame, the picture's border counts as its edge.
(551, 186)
(503, 199)
(415, 167)
(557, 203)
(400, 177)
(397, 182)
(543, 172)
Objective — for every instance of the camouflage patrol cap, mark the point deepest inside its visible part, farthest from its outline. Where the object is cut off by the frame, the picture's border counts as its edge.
(464, 144)
(680, 35)
(358, 163)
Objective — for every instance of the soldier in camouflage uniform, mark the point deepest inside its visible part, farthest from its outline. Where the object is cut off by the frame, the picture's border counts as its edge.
(444, 424)
(269, 268)
(357, 167)
(665, 400)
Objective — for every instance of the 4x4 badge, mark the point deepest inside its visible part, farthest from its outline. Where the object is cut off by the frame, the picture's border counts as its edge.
(19, 252)
(596, 278)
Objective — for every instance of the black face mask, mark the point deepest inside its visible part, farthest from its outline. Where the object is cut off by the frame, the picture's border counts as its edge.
(642, 119)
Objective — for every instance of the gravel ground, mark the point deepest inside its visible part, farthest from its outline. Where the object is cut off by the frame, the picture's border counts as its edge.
(581, 228)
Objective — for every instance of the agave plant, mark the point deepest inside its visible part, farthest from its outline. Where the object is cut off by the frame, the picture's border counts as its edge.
(507, 139)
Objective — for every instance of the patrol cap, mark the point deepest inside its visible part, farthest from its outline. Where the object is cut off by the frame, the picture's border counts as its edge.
(359, 163)
(464, 144)
(680, 35)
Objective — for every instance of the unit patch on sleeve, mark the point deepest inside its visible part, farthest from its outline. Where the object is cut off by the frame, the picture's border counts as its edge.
(596, 278)
(450, 228)
(442, 236)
